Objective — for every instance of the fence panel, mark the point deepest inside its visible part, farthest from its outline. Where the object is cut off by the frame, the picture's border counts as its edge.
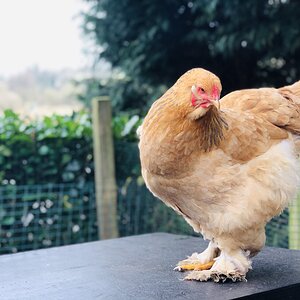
(40, 216)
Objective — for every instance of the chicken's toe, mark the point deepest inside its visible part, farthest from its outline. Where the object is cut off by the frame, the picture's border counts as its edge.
(194, 266)
(193, 263)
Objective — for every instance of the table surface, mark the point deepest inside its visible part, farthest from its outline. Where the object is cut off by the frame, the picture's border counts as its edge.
(138, 267)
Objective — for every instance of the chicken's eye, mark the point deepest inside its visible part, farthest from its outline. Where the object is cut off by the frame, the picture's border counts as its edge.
(196, 90)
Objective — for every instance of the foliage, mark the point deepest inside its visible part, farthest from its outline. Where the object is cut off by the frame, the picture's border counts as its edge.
(246, 43)
(125, 127)
(56, 149)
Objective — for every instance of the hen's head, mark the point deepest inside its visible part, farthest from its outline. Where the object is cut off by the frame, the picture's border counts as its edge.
(198, 90)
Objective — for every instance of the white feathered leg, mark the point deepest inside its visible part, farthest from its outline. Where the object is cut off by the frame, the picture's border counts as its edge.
(232, 265)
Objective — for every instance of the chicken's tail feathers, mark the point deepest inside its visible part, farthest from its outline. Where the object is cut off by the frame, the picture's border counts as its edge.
(292, 91)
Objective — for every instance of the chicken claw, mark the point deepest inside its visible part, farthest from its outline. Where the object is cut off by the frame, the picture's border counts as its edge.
(194, 266)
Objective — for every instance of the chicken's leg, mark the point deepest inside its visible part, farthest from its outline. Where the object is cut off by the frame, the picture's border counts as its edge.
(202, 261)
(231, 265)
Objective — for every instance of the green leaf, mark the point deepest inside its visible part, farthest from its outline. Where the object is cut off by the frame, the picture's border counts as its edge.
(44, 150)
(5, 151)
(8, 221)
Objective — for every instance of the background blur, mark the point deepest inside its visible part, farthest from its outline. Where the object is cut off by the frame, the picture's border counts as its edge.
(56, 56)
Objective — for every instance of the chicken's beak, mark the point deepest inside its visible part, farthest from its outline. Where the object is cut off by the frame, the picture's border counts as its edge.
(217, 102)
(219, 105)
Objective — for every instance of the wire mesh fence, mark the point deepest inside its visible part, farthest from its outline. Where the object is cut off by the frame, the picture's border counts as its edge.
(277, 231)
(40, 216)
(284, 230)
(140, 212)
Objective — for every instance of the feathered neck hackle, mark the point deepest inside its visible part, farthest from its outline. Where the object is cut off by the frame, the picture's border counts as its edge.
(211, 127)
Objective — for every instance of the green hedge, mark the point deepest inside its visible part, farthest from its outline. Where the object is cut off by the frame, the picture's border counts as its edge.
(56, 149)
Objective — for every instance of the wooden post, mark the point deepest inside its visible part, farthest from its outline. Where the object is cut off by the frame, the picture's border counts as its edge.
(106, 192)
(294, 224)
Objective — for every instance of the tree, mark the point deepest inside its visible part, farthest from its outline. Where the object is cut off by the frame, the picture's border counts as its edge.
(152, 42)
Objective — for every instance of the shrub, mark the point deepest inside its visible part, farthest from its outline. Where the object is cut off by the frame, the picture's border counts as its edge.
(56, 149)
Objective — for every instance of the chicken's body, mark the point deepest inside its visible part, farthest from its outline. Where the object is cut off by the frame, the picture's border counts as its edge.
(228, 171)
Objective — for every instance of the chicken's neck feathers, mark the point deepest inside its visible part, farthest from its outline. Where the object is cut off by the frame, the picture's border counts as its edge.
(212, 126)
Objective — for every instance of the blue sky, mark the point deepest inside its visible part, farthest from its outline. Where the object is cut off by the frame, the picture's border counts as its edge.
(45, 33)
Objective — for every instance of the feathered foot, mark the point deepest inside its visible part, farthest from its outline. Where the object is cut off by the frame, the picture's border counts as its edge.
(226, 267)
(215, 276)
(202, 261)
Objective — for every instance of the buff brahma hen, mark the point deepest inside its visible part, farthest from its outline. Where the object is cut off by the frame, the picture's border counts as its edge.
(227, 166)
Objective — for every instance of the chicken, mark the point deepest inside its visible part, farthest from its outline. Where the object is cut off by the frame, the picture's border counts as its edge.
(226, 166)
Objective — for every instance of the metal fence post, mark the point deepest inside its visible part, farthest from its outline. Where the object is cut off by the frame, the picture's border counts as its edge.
(294, 224)
(106, 192)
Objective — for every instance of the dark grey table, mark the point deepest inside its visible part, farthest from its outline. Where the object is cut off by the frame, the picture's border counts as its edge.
(138, 267)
